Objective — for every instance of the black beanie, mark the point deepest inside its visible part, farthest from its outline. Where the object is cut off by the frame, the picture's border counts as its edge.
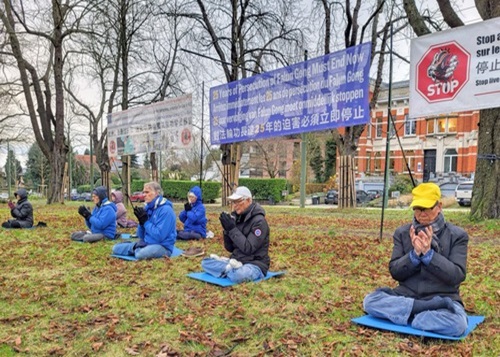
(101, 192)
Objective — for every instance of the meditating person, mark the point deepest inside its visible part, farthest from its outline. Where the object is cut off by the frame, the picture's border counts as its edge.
(121, 211)
(101, 221)
(21, 211)
(156, 229)
(428, 260)
(246, 237)
(193, 216)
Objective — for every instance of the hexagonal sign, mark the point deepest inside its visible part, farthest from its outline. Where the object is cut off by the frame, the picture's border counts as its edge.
(442, 71)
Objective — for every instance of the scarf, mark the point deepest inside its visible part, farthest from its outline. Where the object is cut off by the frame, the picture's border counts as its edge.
(437, 226)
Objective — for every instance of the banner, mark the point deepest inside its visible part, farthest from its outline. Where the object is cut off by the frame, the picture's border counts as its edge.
(151, 128)
(456, 70)
(319, 94)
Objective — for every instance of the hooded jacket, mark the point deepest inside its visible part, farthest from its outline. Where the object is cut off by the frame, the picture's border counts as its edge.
(121, 211)
(195, 219)
(23, 211)
(160, 226)
(103, 218)
(248, 242)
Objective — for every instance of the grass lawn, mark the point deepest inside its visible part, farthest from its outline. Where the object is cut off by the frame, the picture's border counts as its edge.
(59, 297)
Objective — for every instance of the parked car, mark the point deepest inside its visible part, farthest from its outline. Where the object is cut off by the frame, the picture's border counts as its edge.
(74, 196)
(85, 196)
(448, 189)
(375, 193)
(332, 197)
(463, 193)
(137, 197)
(362, 197)
(4, 197)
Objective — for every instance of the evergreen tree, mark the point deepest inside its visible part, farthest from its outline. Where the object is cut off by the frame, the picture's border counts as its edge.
(12, 167)
(330, 158)
(316, 161)
(147, 162)
(37, 166)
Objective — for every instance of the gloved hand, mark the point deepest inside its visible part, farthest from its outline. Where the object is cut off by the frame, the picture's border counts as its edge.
(227, 221)
(11, 205)
(84, 212)
(187, 206)
(141, 215)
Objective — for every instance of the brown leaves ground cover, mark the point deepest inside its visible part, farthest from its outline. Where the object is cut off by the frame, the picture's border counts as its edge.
(59, 297)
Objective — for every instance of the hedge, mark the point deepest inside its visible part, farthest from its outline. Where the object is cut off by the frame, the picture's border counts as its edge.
(265, 189)
(177, 190)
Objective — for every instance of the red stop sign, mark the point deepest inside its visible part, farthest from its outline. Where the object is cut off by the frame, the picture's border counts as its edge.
(442, 71)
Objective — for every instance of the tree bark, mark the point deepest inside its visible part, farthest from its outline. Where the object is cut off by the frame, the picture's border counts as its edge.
(486, 192)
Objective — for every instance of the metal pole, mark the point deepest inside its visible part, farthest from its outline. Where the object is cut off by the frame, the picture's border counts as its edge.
(202, 115)
(303, 151)
(91, 164)
(385, 197)
(8, 167)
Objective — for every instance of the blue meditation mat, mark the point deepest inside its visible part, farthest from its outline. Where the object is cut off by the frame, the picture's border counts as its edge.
(224, 282)
(177, 252)
(383, 324)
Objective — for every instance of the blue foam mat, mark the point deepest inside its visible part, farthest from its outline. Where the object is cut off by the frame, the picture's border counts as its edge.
(177, 252)
(382, 324)
(224, 282)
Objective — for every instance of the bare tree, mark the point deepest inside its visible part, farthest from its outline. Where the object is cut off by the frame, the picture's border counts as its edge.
(36, 34)
(246, 37)
(352, 28)
(486, 193)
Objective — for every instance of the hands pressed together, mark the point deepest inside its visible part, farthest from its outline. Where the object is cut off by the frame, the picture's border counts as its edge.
(227, 221)
(84, 212)
(187, 206)
(141, 215)
(11, 205)
(422, 240)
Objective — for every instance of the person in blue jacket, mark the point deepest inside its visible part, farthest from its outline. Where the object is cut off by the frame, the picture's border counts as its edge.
(156, 230)
(101, 221)
(193, 217)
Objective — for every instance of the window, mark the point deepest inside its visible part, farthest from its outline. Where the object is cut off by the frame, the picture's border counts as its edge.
(379, 128)
(392, 131)
(410, 159)
(452, 125)
(442, 125)
(378, 161)
(368, 161)
(392, 161)
(369, 130)
(450, 160)
(430, 126)
(410, 126)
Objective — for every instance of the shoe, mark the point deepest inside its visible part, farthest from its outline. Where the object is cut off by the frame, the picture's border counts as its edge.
(233, 264)
(216, 257)
(193, 252)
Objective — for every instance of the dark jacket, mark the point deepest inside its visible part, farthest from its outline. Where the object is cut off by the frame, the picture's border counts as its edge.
(249, 241)
(445, 272)
(195, 219)
(23, 211)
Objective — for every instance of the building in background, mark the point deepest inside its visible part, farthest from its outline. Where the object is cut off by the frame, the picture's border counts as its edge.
(437, 148)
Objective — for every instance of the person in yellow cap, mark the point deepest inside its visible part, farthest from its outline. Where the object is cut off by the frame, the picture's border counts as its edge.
(428, 261)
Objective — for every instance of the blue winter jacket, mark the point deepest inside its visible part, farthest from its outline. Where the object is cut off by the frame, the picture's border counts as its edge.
(195, 219)
(103, 219)
(160, 226)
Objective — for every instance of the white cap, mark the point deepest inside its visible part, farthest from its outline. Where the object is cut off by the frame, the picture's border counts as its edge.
(240, 193)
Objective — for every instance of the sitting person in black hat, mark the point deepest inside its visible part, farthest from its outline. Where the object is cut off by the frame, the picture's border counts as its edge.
(22, 211)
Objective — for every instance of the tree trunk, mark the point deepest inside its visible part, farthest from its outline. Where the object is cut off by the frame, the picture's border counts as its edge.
(486, 192)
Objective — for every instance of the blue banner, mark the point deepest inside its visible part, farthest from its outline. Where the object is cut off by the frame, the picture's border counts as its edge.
(327, 92)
